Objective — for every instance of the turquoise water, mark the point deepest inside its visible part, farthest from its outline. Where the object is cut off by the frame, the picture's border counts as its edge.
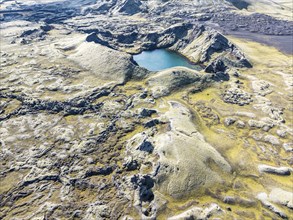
(160, 59)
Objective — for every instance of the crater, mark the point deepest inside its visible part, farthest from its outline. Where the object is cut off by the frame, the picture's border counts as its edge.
(160, 59)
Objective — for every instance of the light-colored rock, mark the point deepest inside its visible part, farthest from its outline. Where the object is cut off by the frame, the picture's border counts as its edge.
(264, 124)
(274, 170)
(288, 147)
(229, 121)
(139, 147)
(261, 87)
(281, 133)
(282, 197)
(97, 211)
(271, 139)
(198, 213)
(263, 197)
(240, 124)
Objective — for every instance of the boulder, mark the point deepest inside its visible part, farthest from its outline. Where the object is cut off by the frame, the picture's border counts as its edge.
(288, 147)
(151, 123)
(229, 121)
(271, 139)
(240, 124)
(232, 200)
(274, 170)
(130, 164)
(282, 197)
(198, 213)
(144, 112)
(264, 124)
(281, 133)
(263, 197)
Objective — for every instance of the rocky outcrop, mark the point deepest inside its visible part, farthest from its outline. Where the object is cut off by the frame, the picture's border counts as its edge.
(207, 45)
(128, 7)
(236, 96)
(216, 66)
